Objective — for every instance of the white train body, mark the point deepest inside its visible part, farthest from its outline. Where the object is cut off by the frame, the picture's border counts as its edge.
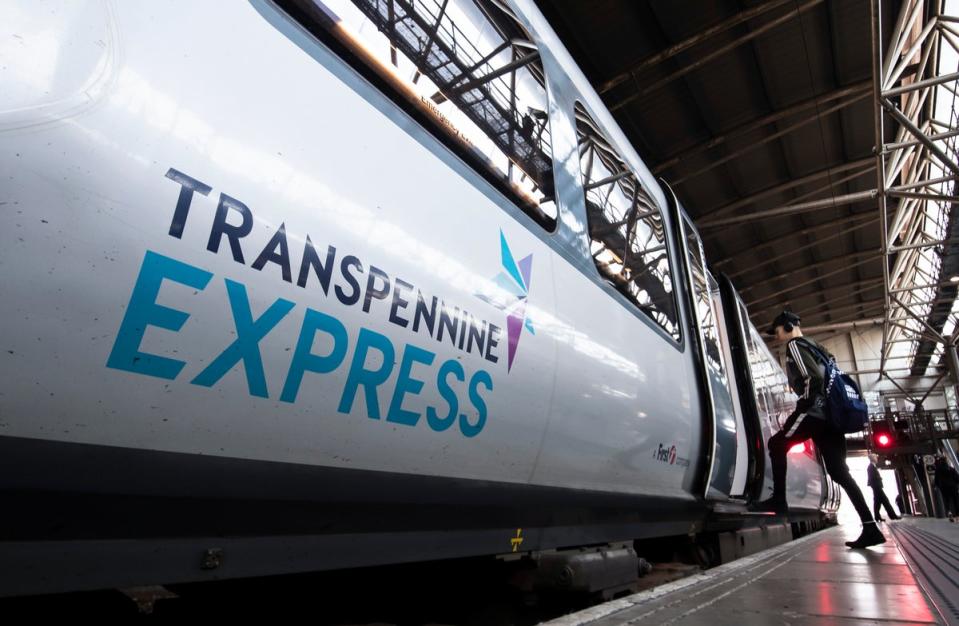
(226, 251)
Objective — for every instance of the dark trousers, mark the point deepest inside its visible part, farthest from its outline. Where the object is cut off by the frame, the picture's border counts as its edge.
(950, 499)
(879, 500)
(831, 444)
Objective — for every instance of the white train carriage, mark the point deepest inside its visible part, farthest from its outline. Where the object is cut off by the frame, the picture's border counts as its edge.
(288, 290)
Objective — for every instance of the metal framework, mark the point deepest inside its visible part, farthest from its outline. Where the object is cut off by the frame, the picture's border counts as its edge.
(647, 88)
(481, 83)
(916, 127)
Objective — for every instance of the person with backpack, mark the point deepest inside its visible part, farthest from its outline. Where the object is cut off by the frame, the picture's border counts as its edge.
(819, 416)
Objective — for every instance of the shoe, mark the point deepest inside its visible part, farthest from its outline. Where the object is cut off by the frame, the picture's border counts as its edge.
(770, 505)
(871, 536)
(896, 517)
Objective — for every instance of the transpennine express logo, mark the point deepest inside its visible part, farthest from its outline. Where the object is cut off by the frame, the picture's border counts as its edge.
(514, 280)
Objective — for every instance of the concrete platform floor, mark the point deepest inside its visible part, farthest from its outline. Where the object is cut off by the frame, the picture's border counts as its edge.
(813, 580)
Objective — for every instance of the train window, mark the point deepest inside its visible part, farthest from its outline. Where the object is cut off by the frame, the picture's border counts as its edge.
(704, 286)
(760, 368)
(627, 236)
(465, 67)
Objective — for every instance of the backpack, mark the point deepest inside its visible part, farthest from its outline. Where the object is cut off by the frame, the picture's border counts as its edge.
(841, 400)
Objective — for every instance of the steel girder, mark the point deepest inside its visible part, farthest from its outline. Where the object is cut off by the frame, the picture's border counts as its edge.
(917, 170)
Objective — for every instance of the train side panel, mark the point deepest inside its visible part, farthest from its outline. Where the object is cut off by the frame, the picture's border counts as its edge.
(623, 411)
(96, 201)
(168, 345)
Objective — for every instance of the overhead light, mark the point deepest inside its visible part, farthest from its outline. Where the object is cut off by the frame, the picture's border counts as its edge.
(954, 279)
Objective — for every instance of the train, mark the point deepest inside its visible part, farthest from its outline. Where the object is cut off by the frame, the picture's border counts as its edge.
(302, 285)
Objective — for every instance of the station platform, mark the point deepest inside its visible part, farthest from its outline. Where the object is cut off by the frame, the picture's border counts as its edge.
(911, 579)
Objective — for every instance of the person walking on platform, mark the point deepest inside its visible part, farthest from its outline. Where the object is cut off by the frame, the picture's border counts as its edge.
(947, 481)
(808, 421)
(879, 499)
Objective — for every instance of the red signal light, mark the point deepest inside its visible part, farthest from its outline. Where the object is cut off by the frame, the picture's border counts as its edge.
(798, 448)
(882, 435)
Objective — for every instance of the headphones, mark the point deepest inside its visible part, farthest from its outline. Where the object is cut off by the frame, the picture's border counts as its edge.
(790, 320)
(787, 319)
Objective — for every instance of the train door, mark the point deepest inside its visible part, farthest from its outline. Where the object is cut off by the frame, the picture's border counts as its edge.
(741, 472)
(751, 383)
(720, 482)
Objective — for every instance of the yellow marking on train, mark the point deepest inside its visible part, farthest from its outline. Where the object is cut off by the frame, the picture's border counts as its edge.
(517, 541)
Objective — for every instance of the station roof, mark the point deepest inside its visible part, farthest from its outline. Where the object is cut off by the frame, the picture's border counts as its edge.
(746, 108)
(761, 114)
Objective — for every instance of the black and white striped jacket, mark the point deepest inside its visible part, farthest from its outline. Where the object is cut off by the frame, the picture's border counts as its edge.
(805, 373)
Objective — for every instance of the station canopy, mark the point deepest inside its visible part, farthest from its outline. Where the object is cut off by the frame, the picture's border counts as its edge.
(762, 116)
